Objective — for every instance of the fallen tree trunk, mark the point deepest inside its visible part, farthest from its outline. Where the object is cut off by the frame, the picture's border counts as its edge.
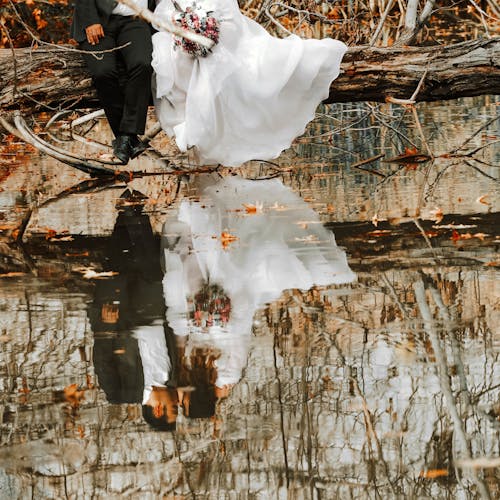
(55, 77)
(445, 72)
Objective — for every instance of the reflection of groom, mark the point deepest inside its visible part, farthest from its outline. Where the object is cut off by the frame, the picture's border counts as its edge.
(122, 77)
(127, 302)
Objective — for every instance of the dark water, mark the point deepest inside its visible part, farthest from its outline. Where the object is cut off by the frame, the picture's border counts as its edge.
(348, 316)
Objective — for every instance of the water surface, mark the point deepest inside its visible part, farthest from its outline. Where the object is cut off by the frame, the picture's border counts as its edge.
(361, 337)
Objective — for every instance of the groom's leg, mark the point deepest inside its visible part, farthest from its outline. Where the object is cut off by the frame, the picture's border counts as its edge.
(105, 74)
(137, 88)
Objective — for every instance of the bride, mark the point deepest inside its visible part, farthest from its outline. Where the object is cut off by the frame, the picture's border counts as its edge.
(248, 98)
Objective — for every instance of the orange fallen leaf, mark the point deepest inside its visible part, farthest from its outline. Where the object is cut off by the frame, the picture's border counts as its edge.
(437, 215)
(50, 234)
(433, 473)
(73, 395)
(482, 200)
(410, 156)
(379, 232)
(253, 209)
(467, 236)
(431, 234)
(227, 239)
(77, 254)
(24, 389)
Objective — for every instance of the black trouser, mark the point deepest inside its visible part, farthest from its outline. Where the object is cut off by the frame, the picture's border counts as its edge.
(123, 77)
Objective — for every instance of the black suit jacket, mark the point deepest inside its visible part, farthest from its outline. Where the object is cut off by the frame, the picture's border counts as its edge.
(88, 12)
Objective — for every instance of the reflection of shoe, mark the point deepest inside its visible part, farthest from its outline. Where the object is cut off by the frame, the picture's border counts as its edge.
(122, 148)
(137, 147)
(131, 198)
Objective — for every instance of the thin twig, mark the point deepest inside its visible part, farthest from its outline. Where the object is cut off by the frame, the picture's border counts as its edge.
(381, 23)
(477, 169)
(480, 129)
(421, 132)
(359, 165)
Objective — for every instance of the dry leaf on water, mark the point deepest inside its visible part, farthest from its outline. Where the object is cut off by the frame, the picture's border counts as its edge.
(410, 156)
(226, 239)
(253, 209)
(90, 274)
(73, 395)
(433, 473)
(456, 236)
(483, 200)
(24, 388)
(379, 232)
(437, 215)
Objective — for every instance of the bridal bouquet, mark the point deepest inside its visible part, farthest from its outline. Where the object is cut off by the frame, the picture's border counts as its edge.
(200, 21)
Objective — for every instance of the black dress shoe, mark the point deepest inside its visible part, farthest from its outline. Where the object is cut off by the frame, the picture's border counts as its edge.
(136, 147)
(122, 148)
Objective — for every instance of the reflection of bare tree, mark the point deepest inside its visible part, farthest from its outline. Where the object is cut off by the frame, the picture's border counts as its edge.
(353, 395)
(442, 363)
(451, 428)
(389, 143)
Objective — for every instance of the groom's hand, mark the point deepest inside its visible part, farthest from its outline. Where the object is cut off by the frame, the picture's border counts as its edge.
(94, 32)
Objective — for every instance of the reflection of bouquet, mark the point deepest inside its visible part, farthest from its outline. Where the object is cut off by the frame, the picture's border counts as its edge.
(210, 306)
(200, 21)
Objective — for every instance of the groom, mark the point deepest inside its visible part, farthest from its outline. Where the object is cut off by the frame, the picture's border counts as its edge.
(122, 77)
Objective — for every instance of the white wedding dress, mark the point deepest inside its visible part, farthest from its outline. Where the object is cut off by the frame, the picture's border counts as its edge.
(250, 97)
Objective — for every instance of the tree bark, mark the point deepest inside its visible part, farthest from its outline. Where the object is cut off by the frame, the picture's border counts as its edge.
(33, 80)
(451, 71)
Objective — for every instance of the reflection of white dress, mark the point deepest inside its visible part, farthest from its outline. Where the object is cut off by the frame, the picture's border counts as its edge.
(248, 99)
(280, 247)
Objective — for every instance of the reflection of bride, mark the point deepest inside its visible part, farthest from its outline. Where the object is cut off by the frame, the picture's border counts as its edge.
(238, 246)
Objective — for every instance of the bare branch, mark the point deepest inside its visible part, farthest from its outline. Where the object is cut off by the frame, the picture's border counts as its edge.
(413, 25)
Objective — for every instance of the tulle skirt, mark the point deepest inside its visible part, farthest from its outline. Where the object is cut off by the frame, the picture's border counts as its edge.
(250, 97)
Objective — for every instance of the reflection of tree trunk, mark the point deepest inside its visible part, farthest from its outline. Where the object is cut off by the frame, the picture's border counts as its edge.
(444, 381)
(455, 345)
(470, 68)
